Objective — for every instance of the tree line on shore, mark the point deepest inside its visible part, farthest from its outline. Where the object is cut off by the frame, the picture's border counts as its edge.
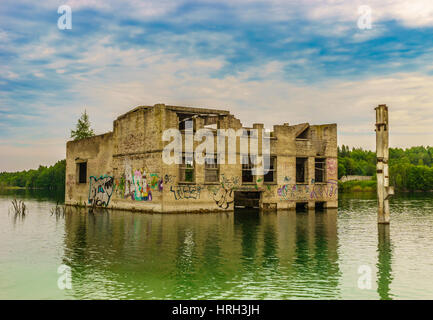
(49, 178)
(410, 169)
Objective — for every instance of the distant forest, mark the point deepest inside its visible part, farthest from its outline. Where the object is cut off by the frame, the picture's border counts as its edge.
(410, 170)
(49, 178)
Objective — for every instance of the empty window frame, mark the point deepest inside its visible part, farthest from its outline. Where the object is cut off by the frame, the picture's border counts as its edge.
(301, 170)
(303, 135)
(82, 172)
(211, 169)
(247, 174)
(272, 173)
(186, 168)
(319, 170)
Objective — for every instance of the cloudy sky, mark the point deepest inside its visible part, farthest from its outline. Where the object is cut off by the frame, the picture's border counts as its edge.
(270, 62)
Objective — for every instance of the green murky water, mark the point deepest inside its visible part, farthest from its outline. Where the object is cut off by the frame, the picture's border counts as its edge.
(241, 255)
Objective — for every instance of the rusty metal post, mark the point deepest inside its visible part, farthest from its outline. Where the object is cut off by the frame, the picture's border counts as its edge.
(384, 191)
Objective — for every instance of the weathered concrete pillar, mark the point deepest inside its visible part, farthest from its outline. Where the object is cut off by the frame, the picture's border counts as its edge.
(384, 191)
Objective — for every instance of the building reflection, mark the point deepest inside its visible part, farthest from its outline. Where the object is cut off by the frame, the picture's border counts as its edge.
(316, 258)
(245, 254)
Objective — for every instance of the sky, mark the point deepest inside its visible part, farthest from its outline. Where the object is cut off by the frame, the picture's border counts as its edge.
(268, 62)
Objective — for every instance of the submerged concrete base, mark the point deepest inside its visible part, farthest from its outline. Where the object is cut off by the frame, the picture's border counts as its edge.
(134, 207)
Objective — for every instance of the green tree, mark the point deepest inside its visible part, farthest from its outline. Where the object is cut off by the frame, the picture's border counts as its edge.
(341, 170)
(83, 129)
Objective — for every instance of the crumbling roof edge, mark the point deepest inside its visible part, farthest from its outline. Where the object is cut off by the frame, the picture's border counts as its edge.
(303, 127)
(192, 110)
(92, 137)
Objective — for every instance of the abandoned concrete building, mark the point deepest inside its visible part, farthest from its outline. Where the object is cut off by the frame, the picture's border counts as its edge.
(124, 169)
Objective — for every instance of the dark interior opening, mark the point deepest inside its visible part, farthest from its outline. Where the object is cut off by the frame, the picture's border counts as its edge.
(270, 176)
(319, 172)
(82, 172)
(301, 168)
(303, 134)
(185, 122)
(319, 206)
(301, 206)
(247, 174)
(247, 199)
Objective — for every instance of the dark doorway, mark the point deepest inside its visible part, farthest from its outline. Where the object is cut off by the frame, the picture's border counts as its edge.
(301, 206)
(319, 206)
(247, 199)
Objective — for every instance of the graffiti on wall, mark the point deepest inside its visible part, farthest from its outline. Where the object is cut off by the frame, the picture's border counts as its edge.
(100, 190)
(293, 191)
(155, 182)
(186, 191)
(327, 190)
(137, 184)
(168, 178)
(223, 194)
(304, 191)
(331, 166)
(139, 188)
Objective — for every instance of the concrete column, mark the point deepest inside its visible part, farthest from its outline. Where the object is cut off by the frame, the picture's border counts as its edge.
(311, 172)
(384, 191)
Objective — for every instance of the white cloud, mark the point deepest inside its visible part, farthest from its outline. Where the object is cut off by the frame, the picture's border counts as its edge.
(109, 80)
(414, 13)
(271, 99)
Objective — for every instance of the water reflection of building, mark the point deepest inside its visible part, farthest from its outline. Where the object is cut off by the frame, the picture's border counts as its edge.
(216, 255)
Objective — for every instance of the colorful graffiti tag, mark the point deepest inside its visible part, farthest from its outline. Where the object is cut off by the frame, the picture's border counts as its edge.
(293, 191)
(331, 166)
(314, 191)
(327, 190)
(137, 185)
(100, 190)
(155, 182)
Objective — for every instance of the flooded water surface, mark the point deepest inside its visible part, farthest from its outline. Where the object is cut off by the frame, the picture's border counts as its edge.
(334, 254)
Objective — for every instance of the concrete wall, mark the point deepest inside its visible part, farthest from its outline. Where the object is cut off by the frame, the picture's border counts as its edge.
(321, 143)
(355, 178)
(97, 152)
(127, 167)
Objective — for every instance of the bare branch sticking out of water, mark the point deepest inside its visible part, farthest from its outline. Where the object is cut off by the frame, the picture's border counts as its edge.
(19, 207)
(58, 211)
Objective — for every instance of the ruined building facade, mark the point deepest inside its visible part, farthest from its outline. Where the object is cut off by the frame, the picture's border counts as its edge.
(124, 168)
